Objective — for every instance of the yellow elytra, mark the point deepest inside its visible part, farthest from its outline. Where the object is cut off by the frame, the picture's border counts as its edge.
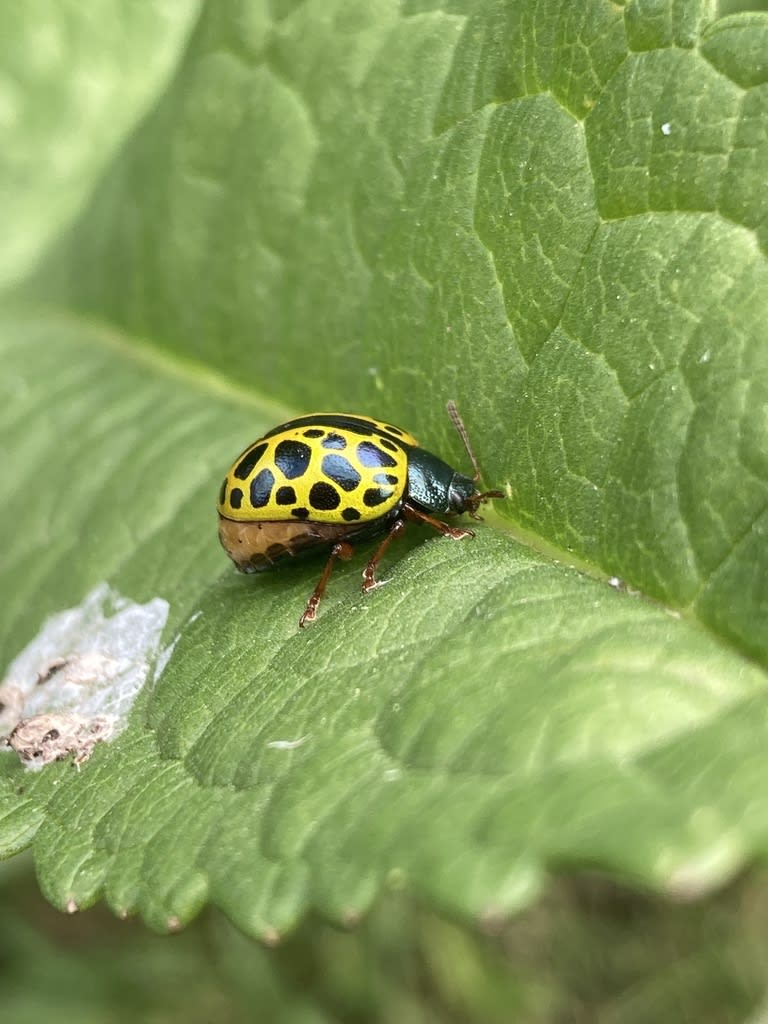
(327, 467)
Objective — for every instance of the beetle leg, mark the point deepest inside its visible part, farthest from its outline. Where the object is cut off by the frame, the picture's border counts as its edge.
(369, 572)
(342, 550)
(454, 532)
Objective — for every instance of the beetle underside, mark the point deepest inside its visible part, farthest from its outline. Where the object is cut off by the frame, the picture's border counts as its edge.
(257, 545)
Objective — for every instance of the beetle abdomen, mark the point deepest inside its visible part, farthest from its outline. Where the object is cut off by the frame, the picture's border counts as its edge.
(257, 545)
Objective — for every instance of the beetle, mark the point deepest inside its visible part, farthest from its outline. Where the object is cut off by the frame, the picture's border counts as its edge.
(328, 479)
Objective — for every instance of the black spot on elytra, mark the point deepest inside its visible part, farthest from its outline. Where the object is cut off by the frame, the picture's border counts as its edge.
(324, 497)
(292, 458)
(393, 430)
(245, 466)
(300, 513)
(285, 495)
(314, 432)
(372, 456)
(223, 493)
(350, 514)
(386, 443)
(236, 497)
(385, 478)
(341, 471)
(334, 441)
(261, 488)
(375, 496)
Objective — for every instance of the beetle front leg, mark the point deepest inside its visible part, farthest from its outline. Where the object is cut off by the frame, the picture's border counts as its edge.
(454, 532)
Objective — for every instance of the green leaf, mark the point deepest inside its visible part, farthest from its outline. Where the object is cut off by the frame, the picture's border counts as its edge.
(554, 214)
(73, 85)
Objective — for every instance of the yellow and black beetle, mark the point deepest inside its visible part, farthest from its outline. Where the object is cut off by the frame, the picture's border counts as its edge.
(327, 479)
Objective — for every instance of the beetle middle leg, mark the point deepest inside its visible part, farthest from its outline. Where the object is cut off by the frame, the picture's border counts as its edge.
(342, 550)
(369, 572)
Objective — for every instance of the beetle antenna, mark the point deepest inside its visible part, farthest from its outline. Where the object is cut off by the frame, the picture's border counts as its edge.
(458, 422)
